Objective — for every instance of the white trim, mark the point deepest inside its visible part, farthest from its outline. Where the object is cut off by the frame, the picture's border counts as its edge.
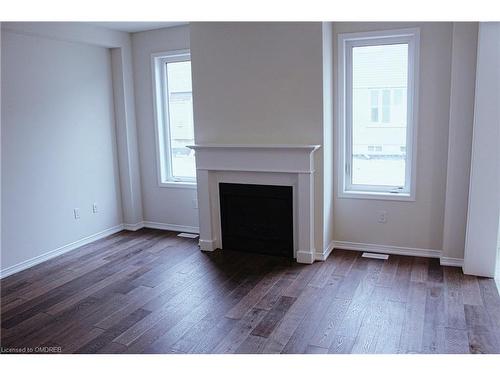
(376, 195)
(452, 262)
(178, 184)
(161, 118)
(322, 256)
(59, 251)
(94, 237)
(397, 250)
(345, 188)
(207, 245)
(171, 227)
(306, 257)
(133, 227)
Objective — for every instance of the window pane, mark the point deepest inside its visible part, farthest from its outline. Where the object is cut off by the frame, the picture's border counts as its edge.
(386, 106)
(180, 110)
(374, 105)
(381, 68)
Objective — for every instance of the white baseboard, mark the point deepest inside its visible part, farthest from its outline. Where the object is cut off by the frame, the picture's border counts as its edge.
(305, 257)
(74, 245)
(133, 227)
(322, 256)
(452, 262)
(59, 251)
(372, 248)
(172, 227)
(207, 245)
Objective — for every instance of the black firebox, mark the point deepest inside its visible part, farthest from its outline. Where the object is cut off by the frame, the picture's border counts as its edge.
(257, 218)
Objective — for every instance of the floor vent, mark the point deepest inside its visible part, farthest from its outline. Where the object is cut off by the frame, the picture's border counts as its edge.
(187, 235)
(375, 256)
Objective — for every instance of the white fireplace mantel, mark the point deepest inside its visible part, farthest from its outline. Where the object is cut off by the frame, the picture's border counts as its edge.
(288, 165)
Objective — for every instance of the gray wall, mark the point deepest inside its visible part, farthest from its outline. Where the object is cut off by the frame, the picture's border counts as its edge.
(260, 83)
(58, 145)
(165, 205)
(416, 224)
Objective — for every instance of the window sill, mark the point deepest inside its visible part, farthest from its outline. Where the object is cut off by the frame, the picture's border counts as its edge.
(351, 194)
(179, 184)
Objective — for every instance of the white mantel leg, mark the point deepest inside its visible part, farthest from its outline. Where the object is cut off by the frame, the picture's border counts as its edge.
(305, 214)
(207, 239)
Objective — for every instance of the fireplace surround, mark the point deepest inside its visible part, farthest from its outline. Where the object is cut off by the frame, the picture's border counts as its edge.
(279, 165)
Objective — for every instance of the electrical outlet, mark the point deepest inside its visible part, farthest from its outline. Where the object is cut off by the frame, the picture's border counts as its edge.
(382, 217)
(76, 212)
(94, 208)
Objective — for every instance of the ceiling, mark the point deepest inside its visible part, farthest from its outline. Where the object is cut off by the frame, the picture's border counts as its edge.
(133, 27)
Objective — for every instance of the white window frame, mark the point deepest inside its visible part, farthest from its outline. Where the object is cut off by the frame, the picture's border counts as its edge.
(162, 126)
(345, 44)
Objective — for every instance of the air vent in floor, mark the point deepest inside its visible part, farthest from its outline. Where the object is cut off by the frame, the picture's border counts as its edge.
(375, 256)
(187, 235)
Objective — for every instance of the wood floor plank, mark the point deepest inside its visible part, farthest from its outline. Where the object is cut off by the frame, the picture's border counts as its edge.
(346, 261)
(435, 271)
(311, 349)
(388, 271)
(294, 316)
(401, 283)
(454, 304)
(302, 336)
(150, 291)
(491, 300)
(272, 296)
(168, 331)
(341, 345)
(322, 276)
(252, 345)
(370, 329)
(354, 315)
(108, 335)
(326, 329)
(413, 328)
(482, 339)
(471, 291)
(419, 269)
(232, 341)
(273, 317)
(433, 339)
(389, 337)
(456, 341)
(255, 295)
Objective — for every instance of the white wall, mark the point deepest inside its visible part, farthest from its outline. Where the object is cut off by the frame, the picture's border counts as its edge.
(165, 205)
(484, 189)
(260, 83)
(463, 78)
(416, 224)
(58, 145)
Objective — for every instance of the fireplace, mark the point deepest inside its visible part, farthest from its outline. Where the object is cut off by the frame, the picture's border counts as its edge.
(283, 166)
(257, 218)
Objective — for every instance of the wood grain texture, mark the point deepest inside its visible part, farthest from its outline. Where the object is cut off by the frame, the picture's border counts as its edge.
(152, 292)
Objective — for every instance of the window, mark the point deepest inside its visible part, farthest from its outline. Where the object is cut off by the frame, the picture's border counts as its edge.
(378, 76)
(174, 118)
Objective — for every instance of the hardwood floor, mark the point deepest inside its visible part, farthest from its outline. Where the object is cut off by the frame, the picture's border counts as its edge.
(153, 292)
